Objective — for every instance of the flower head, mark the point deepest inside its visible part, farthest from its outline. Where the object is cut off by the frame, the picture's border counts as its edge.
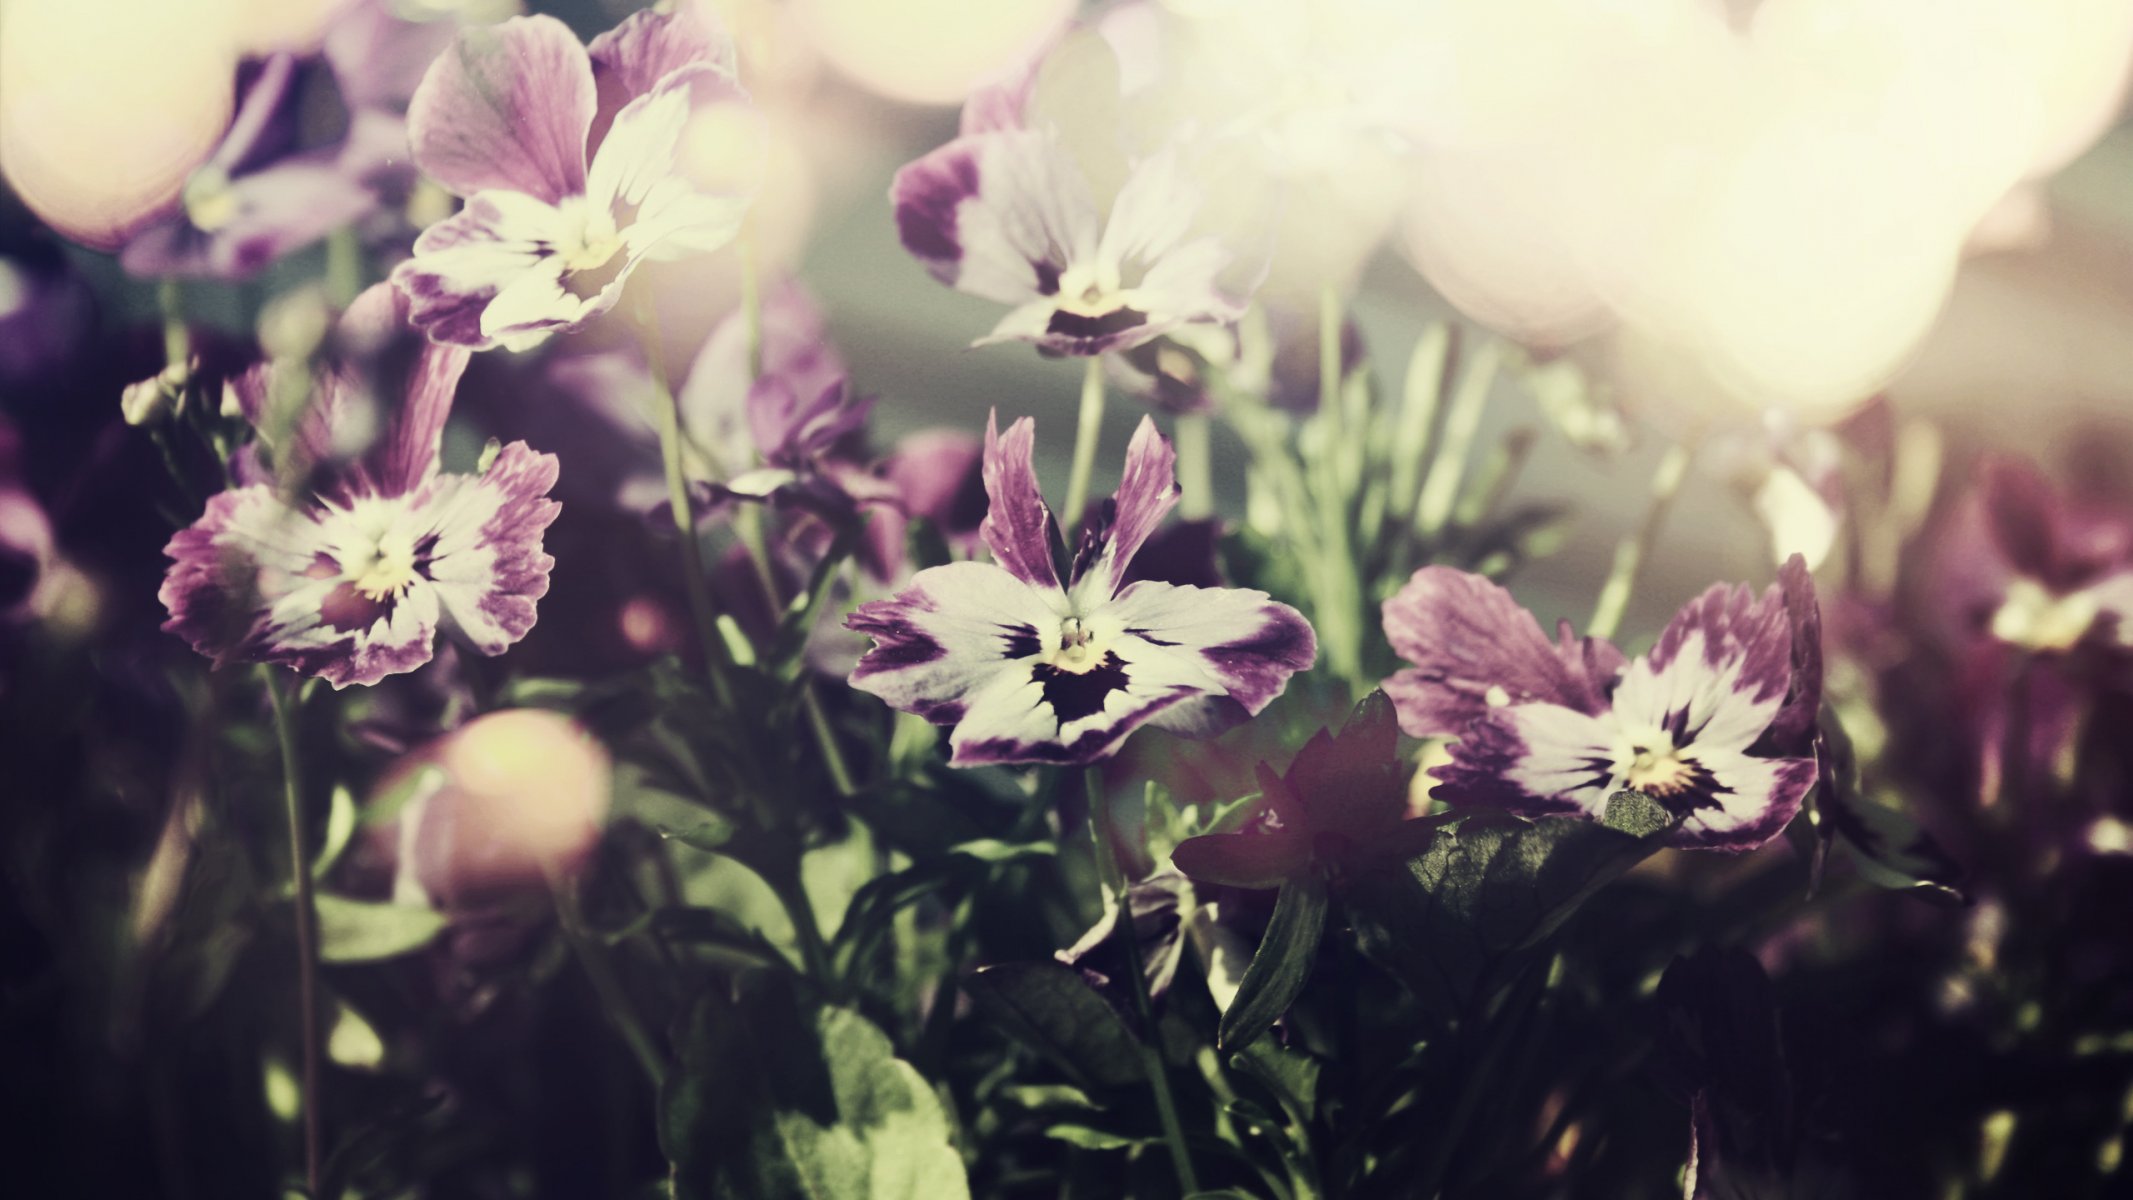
(1716, 722)
(1094, 249)
(349, 577)
(1036, 659)
(1341, 794)
(572, 162)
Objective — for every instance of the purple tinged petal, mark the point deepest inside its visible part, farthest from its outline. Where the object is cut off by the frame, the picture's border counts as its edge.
(274, 213)
(631, 59)
(488, 565)
(948, 635)
(507, 106)
(1146, 493)
(938, 475)
(1000, 216)
(1726, 657)
(378, 59)
(1750, 801)
(1245, 644)
(1532, 759)
(1018, 528)
(1471, 642)
(1792, 730)
(926, 195)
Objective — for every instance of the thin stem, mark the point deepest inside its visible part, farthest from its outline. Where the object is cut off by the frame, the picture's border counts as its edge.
(751, 299)
(1085, 435)
(818, 720)
(1339, 618)
(1114, 878)
(694, 581)
(177, 340)
(1630, 554)
(306, 915)
(1195, 467)
(1462, 421)
(814, 950)
(344, 266)
(615, 1002)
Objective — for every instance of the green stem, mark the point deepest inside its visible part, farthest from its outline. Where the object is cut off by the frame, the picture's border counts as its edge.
(751, 299)
(344, 266)
(1195, 468)
(306, 914)
(614, 1001)
(177, 341)
(1630, 554)
(840, 771)
(694, 581)
(1462, 421)
(1114, 878)
(814, 950)
(1340, 610)
(1085, 435)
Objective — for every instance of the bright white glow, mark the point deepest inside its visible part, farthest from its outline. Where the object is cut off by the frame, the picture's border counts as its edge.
(928, 51)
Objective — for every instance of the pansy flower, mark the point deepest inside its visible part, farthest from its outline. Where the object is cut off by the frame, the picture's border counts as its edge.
(1342, 794)
(1033, 659)
(1094, 244)
(1716, 722)
(571, 160)
(349, 578)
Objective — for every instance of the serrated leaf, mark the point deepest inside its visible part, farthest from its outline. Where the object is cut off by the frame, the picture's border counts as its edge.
(1283, 962)
(1050, 1008)
(782, 1101)
(362, 931)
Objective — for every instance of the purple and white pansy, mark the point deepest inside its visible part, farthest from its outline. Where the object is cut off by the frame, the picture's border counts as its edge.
(1032, 663)
(349, 575)
(1716, 722)
(1096, 245)
(573, 163)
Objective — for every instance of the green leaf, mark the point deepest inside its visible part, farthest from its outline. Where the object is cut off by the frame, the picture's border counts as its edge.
(360, 931)
(340, 827)
(778, 1100)
(1093, 1139)
(1889, 848)
(995, 851)
(710, 832)
(1049, 1007)
(1447, 919)
(1280, 967)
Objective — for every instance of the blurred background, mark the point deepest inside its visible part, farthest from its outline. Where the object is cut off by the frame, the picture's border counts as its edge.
(1725, 219)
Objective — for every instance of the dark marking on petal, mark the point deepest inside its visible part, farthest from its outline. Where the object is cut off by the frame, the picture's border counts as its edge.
(1076, 325)
(349, 609)
(1047, 278)
(1073, 696)
(927, 196)
(1022, 641)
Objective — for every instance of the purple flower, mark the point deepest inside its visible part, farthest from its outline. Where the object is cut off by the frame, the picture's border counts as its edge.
(1716, 722)
(570, 160)
(1030, 663)
(350, 580)
(258, 197)
(1340, 795)
(1093, 253)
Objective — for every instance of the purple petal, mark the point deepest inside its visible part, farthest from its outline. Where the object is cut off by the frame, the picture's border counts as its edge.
(1146, 493)
(1533, 759)
(275, 212)
(948, 635)
(1792, 730)
(506, 106)
(1719, 671)
(1018, 527)
(1471, 642)
(1353, 784)
(1749, 801)
(938, 475)
(378, 59)
(1236, 647)
(500, 242)
(1000, 216)
(631, 59)
(487, 564)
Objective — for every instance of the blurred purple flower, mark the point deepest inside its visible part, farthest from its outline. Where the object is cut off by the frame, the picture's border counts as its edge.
(1272, 352)
(570, 159)
(1341, 794)
(1716, 722)
(1092, 256)
(350, 580)
(1032, 667)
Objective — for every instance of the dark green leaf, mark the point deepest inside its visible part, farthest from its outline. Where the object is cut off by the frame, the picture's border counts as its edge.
(1282, 964)
(1489, 887)
(1890, 849)
(360, 931)
(995, 851)
(1050, 1008)
(778, 1100)
(711, 832)
(1092, 1139)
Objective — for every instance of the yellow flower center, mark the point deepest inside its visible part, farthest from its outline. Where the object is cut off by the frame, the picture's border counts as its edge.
(1659, 772)
(1079, 649)
(209, 203)
(2035, 619)
(390, 570)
